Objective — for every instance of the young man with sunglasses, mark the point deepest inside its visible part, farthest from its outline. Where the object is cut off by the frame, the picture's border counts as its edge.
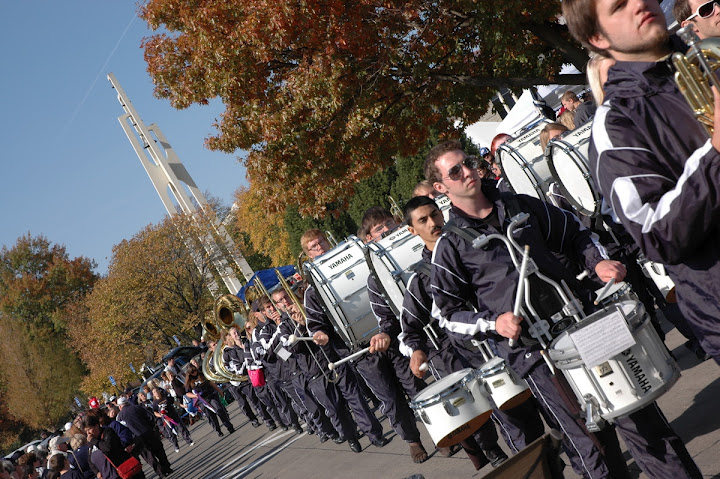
(702, 15)
(474, 290)
(650, 157)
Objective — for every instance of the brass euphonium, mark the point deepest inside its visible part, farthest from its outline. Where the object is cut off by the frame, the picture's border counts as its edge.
(229, 311)
(695, 74)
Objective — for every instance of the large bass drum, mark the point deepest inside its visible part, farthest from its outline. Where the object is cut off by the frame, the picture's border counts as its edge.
(524, 165)
(340, 277)
(390, 259)
(568, 163)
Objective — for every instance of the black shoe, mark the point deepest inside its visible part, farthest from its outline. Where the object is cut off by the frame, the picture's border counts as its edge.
(338, 440)
(298, 429)
(255, 423)
(272, 427)
(496, 456)
(699, 352)
(220, 434)
(354, 445)
(379, 442)
(323, 437)
(284, 427)
(230, 431)
(311, 431)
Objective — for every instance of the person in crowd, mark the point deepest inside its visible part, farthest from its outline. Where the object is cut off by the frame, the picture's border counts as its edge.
(27, 471)
(164, 410)
(460, 271)
(567, 119)
(6, 469)
(651, 159)
(106, 449)
(597, 72)
(704, 16)
(314, 243)
(60, 467)
(79, 455)
(147, 440)
(58, 445)
(207, 396)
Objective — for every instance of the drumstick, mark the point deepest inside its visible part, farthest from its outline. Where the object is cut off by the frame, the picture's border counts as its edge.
(604, 291)
(521, 286)
(423, 367)
(332, 366)
(292, 339)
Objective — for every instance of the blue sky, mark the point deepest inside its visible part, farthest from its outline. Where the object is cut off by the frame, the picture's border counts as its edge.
(68, 170)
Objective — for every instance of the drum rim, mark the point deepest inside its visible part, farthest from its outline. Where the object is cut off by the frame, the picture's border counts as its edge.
(565, 192)
(525, 167)
(488, 369)
(438, 397)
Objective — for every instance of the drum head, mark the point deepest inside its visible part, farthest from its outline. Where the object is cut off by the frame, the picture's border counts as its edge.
(569, 167)
(519, 176)
(448, 383)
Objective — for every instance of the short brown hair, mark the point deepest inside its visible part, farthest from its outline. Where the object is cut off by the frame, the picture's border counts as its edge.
(582, 21)
(373, 216)
(569, 95)
(424, 188)
(308, 236)
(432, 173)
(681, 10)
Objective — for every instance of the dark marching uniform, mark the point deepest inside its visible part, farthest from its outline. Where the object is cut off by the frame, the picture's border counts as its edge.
(165, 406)
(487, 279)
(347, 384)
(242, 359)
(519, 426)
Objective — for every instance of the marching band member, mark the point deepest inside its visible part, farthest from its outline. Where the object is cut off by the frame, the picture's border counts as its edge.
(314, 244)
(313, 363)
(487, 279)
(207, 394)
(277, 374)
(164, 410)
(384, 368)
(242, 391)
(651, 159)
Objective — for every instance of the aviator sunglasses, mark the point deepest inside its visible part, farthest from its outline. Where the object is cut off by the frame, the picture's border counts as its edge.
(704, 10)
(455, 173)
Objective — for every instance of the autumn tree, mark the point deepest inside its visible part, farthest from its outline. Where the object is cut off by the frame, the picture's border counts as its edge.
(325, 93)
(157, 286)
(39, 282)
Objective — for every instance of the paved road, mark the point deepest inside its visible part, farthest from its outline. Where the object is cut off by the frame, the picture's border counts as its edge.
(691, 407)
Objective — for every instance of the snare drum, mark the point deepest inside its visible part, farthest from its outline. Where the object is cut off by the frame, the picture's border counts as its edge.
(618, 292)
(390, 260)
(524, 165)
(340, 277)
(567, 160)
(453, 408)
(626, 382)
(507, 389)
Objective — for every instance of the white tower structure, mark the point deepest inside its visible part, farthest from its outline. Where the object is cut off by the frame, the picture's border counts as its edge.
(173, 182)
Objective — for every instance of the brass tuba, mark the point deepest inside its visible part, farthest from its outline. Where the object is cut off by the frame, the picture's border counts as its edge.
(228, 310)
(695, 74)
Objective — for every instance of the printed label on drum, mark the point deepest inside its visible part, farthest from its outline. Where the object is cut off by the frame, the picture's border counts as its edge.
(498, 383)
(602, 339)
(459, 430)
(457, 402)
(637, 371)
(603, 369)
(340, 261)
(349, 274)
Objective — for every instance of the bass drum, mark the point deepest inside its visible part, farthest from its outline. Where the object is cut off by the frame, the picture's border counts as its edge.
(444, 204)
(390, 260)
(340, 277)
(568, 163)
(524, 166)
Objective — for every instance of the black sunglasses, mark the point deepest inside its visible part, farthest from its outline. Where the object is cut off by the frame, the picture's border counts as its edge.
(704, 10)
(455, 173)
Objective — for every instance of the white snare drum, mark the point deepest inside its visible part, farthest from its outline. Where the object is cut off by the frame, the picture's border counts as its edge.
(444, 204)
(568, 162)
(524, 165)
(618, 292)
(340, 277)
(626, 382)
(390, 260)
(453, 408)
(506, 388)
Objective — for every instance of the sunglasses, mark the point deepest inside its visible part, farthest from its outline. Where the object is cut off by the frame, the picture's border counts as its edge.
(705, 10)
(456, 172)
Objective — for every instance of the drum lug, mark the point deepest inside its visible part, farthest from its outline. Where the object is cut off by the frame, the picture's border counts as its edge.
(423, 416)
(572, 308)
(539, 328)
(593, 421)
